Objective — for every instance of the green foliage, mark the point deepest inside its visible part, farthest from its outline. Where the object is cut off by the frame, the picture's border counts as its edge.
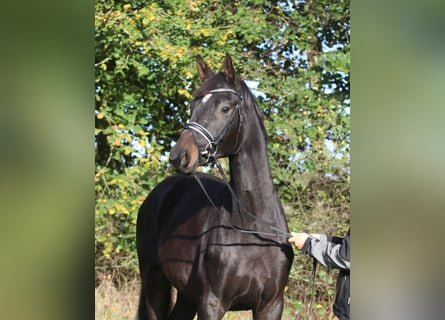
(145, 77)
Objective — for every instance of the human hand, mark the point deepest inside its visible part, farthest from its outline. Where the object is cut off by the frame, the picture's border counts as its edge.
(298, 239)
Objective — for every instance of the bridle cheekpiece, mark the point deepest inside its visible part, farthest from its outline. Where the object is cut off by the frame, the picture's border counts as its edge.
(211, 147)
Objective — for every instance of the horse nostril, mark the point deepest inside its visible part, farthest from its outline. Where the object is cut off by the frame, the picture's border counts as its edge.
(184, 159)
(179, 159)
(174, 159)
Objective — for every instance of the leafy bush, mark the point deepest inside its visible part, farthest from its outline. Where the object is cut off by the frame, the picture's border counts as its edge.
(298, 53)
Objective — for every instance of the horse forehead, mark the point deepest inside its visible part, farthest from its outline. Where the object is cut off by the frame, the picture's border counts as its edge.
(219, 94)
(217, 98)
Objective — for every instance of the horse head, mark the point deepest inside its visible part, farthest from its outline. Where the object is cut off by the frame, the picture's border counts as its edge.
(214, 128)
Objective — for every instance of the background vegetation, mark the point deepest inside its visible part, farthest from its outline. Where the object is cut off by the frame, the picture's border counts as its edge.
(298, 54)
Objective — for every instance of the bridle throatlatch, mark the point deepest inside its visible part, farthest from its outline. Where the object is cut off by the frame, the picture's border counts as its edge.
(212, 142)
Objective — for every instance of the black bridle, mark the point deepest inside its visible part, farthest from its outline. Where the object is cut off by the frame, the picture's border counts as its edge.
(211, 147)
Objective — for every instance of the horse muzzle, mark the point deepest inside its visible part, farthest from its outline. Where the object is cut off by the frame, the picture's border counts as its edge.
(184, 156)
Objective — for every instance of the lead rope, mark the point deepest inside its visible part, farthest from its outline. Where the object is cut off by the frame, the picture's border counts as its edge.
(241, 207)
(227, 220)
(312, 286)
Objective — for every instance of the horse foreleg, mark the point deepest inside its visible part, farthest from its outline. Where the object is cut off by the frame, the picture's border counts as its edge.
(273, 311)
(155, 298)
(211, 308)
(184, 309)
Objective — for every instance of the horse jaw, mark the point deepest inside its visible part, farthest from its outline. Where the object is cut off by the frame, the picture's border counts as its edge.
(184, 156)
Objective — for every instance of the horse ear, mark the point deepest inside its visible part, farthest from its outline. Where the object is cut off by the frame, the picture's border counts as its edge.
(204, 71)
(229, 70)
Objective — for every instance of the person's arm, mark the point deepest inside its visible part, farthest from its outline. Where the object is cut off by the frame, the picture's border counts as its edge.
(332, 252)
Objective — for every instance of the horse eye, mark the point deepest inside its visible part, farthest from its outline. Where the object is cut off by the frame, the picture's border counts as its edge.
(225, 109)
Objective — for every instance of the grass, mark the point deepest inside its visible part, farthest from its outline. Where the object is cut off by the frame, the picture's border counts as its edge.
(121, 304)
(116, 304)
(120, 301)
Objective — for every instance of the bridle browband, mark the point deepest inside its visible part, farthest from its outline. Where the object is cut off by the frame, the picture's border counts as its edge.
(212, 142)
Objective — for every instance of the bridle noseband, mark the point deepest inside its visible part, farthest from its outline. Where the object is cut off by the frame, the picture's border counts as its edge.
(211, 148)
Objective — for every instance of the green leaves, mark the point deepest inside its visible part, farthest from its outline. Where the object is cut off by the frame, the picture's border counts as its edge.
(146, 74)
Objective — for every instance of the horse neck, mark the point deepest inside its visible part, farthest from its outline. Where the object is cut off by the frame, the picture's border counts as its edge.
(251, 179)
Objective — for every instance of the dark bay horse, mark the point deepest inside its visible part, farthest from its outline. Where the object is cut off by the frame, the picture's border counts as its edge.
(219, 246)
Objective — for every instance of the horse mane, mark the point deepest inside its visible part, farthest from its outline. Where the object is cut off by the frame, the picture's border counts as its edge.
(249, 100)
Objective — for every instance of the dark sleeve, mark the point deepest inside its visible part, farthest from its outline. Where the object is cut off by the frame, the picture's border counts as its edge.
(332, 252)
